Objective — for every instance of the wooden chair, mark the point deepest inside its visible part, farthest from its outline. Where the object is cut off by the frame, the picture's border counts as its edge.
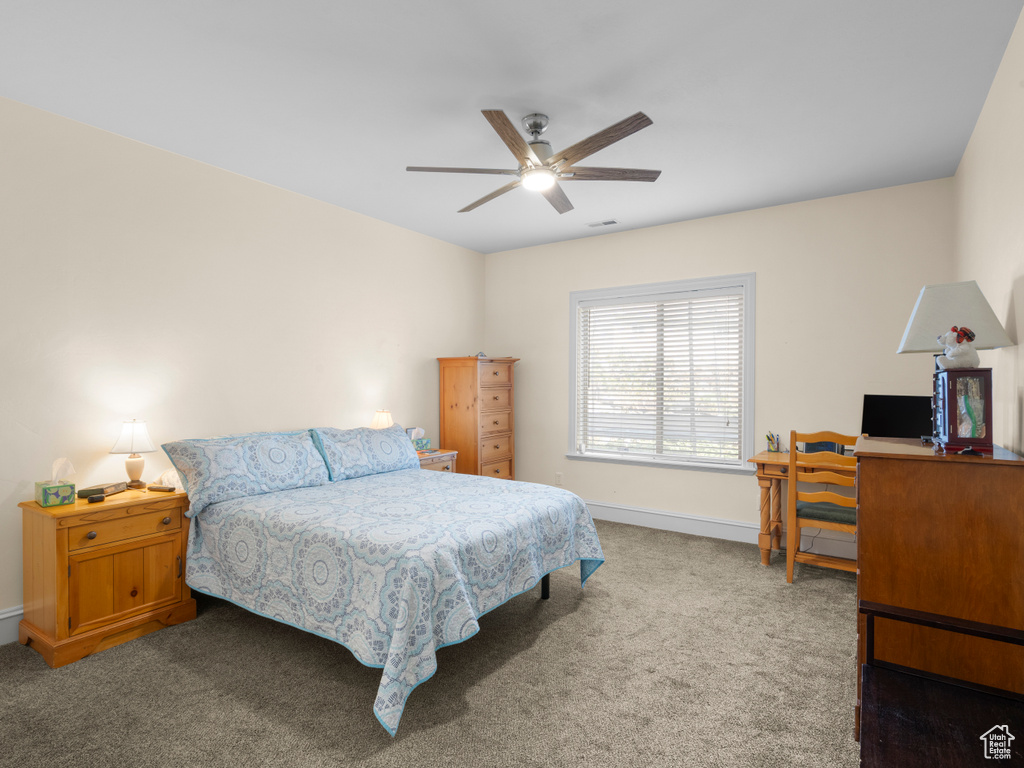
(817, 508)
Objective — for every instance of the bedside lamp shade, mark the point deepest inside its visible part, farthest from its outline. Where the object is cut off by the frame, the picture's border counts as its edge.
(134, 439)
(381, 420)
(940, 307)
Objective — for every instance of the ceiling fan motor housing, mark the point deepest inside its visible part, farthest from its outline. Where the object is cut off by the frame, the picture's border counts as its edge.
(542, 149)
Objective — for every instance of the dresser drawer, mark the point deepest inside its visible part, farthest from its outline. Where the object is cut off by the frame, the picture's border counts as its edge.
(108, 531)
(498, 421)
(495, 399)
(502, 469)
(495, 373)
(499, 447)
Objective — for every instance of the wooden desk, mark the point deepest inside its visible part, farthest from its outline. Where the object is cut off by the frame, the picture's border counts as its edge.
(942, 534)
(772, 467)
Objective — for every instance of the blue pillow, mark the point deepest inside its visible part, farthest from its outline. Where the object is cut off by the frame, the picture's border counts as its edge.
(363, 451)
(221, 468)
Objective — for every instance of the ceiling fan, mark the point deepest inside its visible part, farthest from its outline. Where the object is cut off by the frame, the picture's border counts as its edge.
(540, 169)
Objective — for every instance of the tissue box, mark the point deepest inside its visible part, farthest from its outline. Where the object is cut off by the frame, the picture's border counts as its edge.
(421, 443)
(49, 494)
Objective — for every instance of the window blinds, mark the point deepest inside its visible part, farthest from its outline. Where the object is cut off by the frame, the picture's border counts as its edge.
(661, 377)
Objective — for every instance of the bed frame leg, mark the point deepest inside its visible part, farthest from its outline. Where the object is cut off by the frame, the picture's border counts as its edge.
(545, 586)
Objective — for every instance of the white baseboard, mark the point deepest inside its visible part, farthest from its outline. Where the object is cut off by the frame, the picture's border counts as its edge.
(712, 527)
(825, 542)
(9, 619)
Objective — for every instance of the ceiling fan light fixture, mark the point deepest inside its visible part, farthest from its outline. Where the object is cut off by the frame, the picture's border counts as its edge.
(538, 179)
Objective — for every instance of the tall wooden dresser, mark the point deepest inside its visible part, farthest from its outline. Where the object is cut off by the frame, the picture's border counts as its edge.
(478, 414)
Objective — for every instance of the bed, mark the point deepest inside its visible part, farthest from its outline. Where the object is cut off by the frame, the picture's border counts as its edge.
(339, 533)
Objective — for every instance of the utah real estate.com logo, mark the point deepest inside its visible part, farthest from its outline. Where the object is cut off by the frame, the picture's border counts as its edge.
(997, 742)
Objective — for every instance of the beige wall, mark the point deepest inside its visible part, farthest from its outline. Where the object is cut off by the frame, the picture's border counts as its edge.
(137, 283)
(836, 281)
(990, 242)
(141, 284)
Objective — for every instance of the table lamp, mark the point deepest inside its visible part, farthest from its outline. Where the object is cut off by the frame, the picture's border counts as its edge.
(940, 307)
(961, 394)
(134, 440)
(381, 420)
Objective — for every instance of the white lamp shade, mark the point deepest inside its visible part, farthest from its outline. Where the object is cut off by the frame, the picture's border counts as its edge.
(940, 307)
(382, 420)
(134, 439)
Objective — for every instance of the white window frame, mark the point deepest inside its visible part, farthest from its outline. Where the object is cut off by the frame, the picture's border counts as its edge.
(744, 284)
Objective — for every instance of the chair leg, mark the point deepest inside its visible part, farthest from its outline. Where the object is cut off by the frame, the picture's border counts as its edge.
(792, 545)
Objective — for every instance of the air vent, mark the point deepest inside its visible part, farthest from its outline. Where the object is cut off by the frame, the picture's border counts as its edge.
(606, 223)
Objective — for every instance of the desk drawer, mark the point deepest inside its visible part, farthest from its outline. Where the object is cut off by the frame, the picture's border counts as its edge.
(776, 470)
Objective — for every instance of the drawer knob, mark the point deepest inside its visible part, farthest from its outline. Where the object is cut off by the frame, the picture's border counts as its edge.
(496, 422)
(497, 471)
(447, 467)
(495, 373)
(166, 521)
(91, 535)
(784, 470)
(497, 398)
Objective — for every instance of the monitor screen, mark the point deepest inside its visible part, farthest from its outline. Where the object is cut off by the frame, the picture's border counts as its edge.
(897, 416)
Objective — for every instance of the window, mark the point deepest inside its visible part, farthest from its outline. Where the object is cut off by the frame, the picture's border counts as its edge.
(663, 373)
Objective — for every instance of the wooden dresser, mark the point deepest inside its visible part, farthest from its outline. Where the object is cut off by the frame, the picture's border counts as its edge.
(478, 414)
(942, 534)
(97, 575)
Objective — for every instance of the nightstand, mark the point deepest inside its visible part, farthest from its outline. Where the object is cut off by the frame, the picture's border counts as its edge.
(98, 575)
(441, 461)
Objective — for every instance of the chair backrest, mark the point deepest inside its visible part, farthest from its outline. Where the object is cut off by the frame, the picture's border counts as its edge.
(823, 461)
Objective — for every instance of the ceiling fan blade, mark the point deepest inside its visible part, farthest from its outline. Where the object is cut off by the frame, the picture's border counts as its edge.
(513, 139)
(601, 139)
(557, 198)
(494, 194)
(460, 170)
(574, 173)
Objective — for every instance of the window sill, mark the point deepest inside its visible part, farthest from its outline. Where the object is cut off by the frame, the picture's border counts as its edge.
(747, 469)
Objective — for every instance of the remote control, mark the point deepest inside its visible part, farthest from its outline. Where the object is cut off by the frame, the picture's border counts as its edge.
(97, 497)
(164, 488)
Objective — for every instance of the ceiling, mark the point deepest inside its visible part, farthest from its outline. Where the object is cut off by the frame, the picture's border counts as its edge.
(754, 103)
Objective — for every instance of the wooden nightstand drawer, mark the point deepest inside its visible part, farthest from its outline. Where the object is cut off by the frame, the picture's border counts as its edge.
(495, 399)
(444, 461)
(495, 448)
(495, 373)
(498, 421)
(95, 534)
(502, 469)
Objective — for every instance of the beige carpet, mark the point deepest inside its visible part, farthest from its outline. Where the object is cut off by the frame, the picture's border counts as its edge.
(681, 651)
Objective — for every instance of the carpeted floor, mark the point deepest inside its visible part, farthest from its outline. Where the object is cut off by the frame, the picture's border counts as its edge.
(681, 651)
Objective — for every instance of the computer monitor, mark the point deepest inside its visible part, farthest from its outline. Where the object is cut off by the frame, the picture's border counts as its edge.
(897, 416)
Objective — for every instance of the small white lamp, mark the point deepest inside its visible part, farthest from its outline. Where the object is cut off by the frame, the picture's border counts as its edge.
(381, 420)
(134, 440)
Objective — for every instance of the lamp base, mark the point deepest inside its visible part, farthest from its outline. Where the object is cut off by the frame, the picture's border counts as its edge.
(133, 465)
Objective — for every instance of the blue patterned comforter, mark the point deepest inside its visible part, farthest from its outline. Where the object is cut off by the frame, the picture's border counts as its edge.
(393, 566)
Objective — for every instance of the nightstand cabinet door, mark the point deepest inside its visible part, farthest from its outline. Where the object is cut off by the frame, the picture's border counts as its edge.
(114, 583)
(478, 413)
